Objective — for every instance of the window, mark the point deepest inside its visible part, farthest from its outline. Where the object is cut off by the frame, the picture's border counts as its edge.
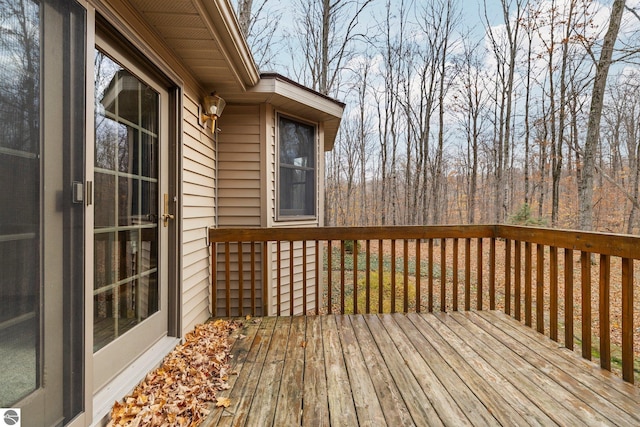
(297, 169)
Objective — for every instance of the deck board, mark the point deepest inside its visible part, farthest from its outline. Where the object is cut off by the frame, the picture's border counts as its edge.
(463, 368)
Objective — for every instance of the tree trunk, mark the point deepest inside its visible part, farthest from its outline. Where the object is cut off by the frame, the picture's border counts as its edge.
(585, 188)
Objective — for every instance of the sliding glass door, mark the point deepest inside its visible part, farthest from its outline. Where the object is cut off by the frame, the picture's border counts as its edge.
(131, 212)
(42, 67)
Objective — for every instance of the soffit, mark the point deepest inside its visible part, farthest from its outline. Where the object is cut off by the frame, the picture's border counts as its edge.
(293, 98)
(204, 35)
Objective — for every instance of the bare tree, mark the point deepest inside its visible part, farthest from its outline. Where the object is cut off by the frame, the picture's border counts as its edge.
(327, 31)
(505, 49)
(585, 187)
(258, 23)
(472, 100)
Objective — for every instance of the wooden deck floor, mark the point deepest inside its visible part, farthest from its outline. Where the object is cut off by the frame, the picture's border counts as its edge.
(474, 368)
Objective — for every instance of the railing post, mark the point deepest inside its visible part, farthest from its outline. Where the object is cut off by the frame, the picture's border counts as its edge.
(527, 284)
(605, 335)
(568, 298)
(240, 281)
(214, 278)
(479, 273)
(227, 277)
(517, 294)
(380, 276)
(279, 275)
(355, 277)
(418, 272)
(405, 259)
(342, 277)
(443, 275)
(507, 277)
(627, 320)
(253, 278)
(467, 274)
(393, 275)
(454, 269)
(291, 277)
(318, 270)
(304, 277)
(553, 289)
(585, 264)
(492, 274)
(430, 274)
(540, 288)
(329, 278)
(368, 277)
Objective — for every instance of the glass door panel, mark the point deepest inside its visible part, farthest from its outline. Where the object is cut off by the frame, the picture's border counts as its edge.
(41, 228)
(129, 295)
(19, 202)
(126, 190)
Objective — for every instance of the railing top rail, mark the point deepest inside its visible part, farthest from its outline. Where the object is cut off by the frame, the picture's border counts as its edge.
(349, 233)
(624, 246)
(620, 245)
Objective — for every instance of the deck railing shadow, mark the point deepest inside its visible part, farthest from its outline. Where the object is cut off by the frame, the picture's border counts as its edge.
(575, 287)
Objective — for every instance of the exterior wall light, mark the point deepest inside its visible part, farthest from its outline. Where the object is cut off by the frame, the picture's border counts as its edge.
(211, 109)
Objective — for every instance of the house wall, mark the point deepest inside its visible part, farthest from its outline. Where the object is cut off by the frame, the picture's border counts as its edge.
(240, 201)
(299, 287)
(198, 213)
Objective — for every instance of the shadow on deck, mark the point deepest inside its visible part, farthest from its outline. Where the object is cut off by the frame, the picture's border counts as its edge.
(461, 368)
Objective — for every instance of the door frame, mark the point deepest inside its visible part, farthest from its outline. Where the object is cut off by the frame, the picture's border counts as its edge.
(103, 18)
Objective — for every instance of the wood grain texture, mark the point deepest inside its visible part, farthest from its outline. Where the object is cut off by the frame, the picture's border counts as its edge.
(423, 369)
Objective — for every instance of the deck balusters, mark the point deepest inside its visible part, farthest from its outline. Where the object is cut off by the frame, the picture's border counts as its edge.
(627, 320)
(355, 276)
(454, 269)
(527, 284)
(585, 265)
(443, 275)
(240, 281)
(418, 274)
(467, 274)
(492, 274)
(568, 298)
(342, 275)
(479, 267)
(393, 275)
(553, 290)
(605, 334)
(230, 290)
(227, 277)
(430, 276)
(540, 288)
(380, 277)
(517, 295)
(405, 257)
(507, 276)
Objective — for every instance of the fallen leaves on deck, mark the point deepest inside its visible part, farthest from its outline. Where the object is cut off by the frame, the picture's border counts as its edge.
(179, 392)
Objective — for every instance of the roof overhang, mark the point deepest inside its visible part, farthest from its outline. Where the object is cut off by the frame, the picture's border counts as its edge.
(205, 36)
(294, 98)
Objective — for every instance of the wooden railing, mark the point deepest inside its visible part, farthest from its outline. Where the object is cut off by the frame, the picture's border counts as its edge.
(529, 273)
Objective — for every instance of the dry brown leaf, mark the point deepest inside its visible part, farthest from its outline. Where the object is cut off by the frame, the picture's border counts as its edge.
(179, 391)
(223, 402)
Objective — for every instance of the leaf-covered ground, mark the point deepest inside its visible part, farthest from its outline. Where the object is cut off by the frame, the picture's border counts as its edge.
(180, 391)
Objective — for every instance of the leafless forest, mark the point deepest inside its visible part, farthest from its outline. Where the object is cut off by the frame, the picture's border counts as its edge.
(512, 111)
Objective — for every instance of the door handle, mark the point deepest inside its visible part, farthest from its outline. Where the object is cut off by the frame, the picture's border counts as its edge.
(166, 216)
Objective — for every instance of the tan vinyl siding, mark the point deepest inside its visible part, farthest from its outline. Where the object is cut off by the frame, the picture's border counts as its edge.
(199, 213)
(298, 278)
(272, 191)
(239, 200)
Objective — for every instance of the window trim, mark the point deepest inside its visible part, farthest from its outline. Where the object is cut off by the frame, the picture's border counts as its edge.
(282, 217)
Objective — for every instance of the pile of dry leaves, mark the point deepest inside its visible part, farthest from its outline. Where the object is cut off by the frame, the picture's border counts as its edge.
(179, 392)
